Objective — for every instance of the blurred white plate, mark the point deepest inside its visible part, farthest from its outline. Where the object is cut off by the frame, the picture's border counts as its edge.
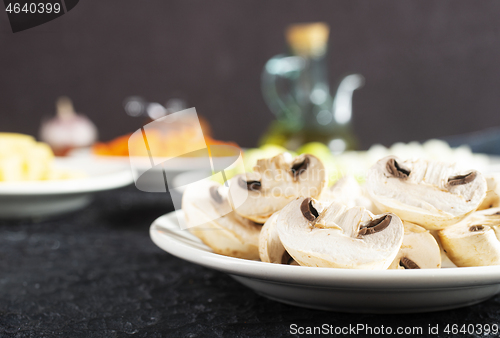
(151, 177)
(368, 291)
(48, 198)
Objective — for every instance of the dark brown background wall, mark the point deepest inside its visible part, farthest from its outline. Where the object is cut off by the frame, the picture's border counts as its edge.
(431, 67)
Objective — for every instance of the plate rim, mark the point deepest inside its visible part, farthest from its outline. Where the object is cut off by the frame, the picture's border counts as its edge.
(143, 163)
(423, 279)
(119, 177)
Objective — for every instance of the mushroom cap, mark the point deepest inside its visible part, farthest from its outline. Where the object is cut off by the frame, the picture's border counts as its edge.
(348, 192)
(336, 236)
(216, 224)
(429, 193)
(270, 248)
(275, 182)
(475, 240)
(492, 199)
(419, 250)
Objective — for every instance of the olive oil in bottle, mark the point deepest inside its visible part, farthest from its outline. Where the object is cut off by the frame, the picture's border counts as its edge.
(296, 89)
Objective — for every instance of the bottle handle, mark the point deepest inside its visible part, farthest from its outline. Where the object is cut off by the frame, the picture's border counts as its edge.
(342, 103)
(283, 105)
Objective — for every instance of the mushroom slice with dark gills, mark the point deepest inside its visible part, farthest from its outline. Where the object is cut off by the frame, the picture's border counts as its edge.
(397, 170)
(429, 193)
(322, 235)
(419, 250)
(475, 241)
(209, 216)
(275, 182)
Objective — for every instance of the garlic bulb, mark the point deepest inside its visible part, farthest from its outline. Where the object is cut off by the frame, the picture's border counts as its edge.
(67, 130)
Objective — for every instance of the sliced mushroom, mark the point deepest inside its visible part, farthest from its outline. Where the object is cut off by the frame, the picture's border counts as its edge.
(348, 192)
(374, 226)
(275, 182)
(338, 236)
(209, 216)
(397, 170)
(418, 251)
(429, 193)
(270, 248)
(299, 167)
(445, 260)
(475, 241)
(462, 179)
(492, 199)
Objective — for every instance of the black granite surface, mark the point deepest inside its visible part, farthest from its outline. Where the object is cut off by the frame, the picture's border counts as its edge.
(96, 273)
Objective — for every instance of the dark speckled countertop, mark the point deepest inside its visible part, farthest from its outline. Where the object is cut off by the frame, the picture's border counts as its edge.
(96, 273)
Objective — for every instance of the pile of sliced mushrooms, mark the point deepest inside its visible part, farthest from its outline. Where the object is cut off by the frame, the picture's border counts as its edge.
(413, 214)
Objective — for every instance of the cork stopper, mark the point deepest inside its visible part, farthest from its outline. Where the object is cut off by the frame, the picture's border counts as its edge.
(308, 39)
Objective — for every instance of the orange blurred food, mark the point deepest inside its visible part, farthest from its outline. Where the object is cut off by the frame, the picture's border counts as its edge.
(116, 147)
(161, 145)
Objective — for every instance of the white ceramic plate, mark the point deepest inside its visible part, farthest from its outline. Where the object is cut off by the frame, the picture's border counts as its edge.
(48, 198)
(151, 177)
(367, 291)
